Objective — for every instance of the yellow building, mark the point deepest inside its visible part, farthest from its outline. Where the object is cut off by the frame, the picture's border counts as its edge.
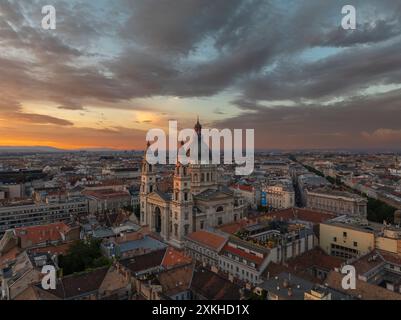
(347, 237)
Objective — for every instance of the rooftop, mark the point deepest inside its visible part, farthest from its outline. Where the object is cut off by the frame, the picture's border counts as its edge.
(209, 239)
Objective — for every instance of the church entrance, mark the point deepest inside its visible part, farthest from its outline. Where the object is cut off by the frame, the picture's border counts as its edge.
(158, 220)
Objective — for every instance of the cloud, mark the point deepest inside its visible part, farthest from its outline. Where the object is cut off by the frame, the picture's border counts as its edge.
(110, 56)
(342, 124)
(38, 119)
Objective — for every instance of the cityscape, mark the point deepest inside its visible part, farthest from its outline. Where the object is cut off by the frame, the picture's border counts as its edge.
(86, 214)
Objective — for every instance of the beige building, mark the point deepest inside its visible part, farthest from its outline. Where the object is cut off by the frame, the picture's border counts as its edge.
(347, 237)
(279, 197)
(338, 202)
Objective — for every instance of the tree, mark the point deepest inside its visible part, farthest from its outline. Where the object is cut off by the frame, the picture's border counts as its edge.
(82, 256)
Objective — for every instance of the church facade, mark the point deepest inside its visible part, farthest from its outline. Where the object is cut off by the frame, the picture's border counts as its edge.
(197, 201)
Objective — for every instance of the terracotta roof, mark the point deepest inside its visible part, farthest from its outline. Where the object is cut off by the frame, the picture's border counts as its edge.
(176, 280)
(79, 284)
(144, 262)
(209, 239)
(274, 269)
(130, 236)
(390, 257)
(234, 227)
(312, 216)
(364, 290)
(61, 249)
(42, 233)
(243, 187)
(214, 287)
(243, 254)
(173, 258)
(302, 214)
(9, 256)
(368, 262)
(106, 194)
(315, 258)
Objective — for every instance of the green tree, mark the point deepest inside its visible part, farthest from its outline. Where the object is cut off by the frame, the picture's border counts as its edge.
(82, 256)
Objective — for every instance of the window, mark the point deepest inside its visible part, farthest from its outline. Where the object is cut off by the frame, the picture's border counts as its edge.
(151, 188)
(220, 209)
(355, 244)
(176, 230)
(186, 229)
(344, 234)
(202, 224)
(186, 196)
(176, 196)
(335, 239)
(220, 221)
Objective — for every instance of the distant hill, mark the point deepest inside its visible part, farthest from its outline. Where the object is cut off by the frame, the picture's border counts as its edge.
(45, 149)
(28, 149)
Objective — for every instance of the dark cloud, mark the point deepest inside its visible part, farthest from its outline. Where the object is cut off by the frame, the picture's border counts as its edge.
(109, 55)
(343, 124)
(38, 119)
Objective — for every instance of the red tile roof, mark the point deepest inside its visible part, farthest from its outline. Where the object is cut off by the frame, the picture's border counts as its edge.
(42, 233)
(243, 187)
(209, 239)
(57, 250)
(174, 258)
(243, 254)
(315, 258)
(302, 214)
(106, 194)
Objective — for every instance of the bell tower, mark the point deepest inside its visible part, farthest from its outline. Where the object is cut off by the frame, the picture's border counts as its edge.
(148, 185)
(182, 205)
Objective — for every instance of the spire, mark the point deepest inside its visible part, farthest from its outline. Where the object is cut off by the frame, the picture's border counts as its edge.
(198, 127)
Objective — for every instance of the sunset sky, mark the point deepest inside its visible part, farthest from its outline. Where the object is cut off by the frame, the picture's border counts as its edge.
(114, 69)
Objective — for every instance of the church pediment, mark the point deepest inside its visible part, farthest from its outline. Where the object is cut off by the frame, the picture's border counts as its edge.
(159, 196)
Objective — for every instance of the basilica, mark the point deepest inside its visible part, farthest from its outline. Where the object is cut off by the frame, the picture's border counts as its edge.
(197, 200)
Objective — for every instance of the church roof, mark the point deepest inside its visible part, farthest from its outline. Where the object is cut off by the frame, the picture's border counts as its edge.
(210, 194)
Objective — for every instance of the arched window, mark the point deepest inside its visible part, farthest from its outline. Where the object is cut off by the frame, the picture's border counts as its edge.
(220, 209)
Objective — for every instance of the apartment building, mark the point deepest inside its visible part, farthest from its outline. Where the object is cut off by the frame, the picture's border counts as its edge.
(335, 201)
(23, 214)
(205, 246)
(279, 196)
(244, 261)
(349, 237)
